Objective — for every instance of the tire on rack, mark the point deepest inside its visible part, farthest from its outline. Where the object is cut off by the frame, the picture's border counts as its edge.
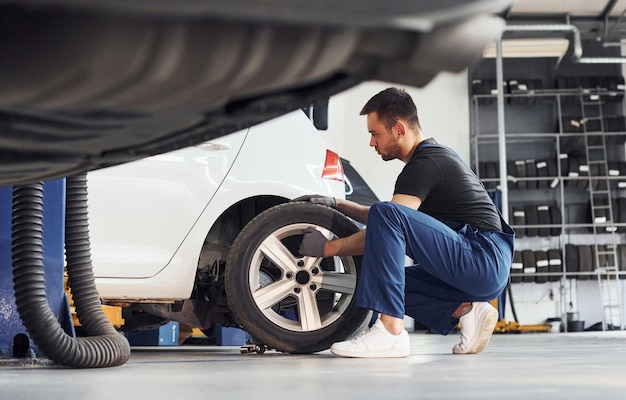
(543, 265)
(555, 263)
(519, 219)
(543, 216)
(530, 265)
(531, 172)
(532, 218)
(542, 173)
(291, 303)
(572, 264)
(553, 172)
(586, 261)
(493, 173)
(555, 220)
(520, 172)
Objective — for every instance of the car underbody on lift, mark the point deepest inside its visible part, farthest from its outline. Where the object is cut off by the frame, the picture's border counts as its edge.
(90, 84)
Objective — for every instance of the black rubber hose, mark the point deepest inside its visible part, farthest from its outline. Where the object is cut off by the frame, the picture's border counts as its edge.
(511, 302)
(104, 346)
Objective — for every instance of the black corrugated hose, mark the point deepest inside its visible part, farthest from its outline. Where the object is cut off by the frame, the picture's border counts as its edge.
(103, 346)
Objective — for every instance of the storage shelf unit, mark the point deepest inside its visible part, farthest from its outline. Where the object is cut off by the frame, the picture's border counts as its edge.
(566, 178)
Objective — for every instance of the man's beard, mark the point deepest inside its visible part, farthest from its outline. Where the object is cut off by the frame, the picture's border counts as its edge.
(392, 153)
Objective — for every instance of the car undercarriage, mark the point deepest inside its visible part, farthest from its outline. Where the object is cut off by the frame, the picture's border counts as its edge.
(87, 85)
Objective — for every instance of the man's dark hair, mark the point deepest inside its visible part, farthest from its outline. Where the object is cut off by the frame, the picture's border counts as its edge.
(391, 105)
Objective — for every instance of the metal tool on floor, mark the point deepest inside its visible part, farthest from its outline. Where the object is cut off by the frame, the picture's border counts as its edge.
(254, 348)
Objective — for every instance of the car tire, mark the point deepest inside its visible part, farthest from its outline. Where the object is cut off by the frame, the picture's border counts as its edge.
(305, 304)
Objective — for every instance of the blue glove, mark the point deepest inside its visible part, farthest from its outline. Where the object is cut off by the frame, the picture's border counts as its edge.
(318, 199)
(313, 242)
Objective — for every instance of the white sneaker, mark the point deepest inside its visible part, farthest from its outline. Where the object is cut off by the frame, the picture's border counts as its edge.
(376, 342)
(476, 328)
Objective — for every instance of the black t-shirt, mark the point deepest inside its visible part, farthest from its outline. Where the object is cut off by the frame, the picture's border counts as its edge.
(448, 188)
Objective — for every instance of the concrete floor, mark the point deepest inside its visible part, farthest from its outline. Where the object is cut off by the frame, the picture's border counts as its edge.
(584, 365)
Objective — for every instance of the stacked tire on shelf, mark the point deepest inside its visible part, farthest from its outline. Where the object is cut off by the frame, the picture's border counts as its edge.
(539, 170)
(513, 86)
(580, 262)
(612, 88)
(532, 220)
(527, 217)
(535, 265)
(613, 85)
(574, 165)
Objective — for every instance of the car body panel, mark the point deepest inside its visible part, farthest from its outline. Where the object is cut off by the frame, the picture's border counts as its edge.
(155, 201)
(152, 251)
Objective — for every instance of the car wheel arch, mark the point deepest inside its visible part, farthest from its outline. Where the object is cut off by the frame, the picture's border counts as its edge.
(231, 221)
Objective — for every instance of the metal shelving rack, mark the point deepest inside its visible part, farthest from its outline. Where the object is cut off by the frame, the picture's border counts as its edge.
(605, 229)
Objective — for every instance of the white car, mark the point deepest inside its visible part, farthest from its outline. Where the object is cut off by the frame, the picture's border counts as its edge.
(208, 234)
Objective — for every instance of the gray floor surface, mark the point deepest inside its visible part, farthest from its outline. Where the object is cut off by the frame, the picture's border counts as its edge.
(583, 365)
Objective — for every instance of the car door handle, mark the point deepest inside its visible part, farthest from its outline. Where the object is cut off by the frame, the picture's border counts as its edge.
(212, 146)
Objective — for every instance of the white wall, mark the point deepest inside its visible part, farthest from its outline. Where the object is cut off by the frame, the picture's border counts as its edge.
(443, 109)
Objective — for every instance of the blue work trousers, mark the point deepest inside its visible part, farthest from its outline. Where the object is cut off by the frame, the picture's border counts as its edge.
(454, 264)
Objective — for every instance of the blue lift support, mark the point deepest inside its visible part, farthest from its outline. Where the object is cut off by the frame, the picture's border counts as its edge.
(14, 339)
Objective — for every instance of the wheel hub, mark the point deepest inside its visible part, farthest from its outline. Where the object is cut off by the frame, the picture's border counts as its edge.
(303, 277)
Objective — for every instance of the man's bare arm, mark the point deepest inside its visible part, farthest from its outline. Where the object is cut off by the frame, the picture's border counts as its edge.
(347, 246)
(353, 210)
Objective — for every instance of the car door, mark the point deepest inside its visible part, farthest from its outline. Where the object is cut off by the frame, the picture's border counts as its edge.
(140, 212)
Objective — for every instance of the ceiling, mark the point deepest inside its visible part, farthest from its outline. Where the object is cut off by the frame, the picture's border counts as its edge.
(604, 20)
(578, 8)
